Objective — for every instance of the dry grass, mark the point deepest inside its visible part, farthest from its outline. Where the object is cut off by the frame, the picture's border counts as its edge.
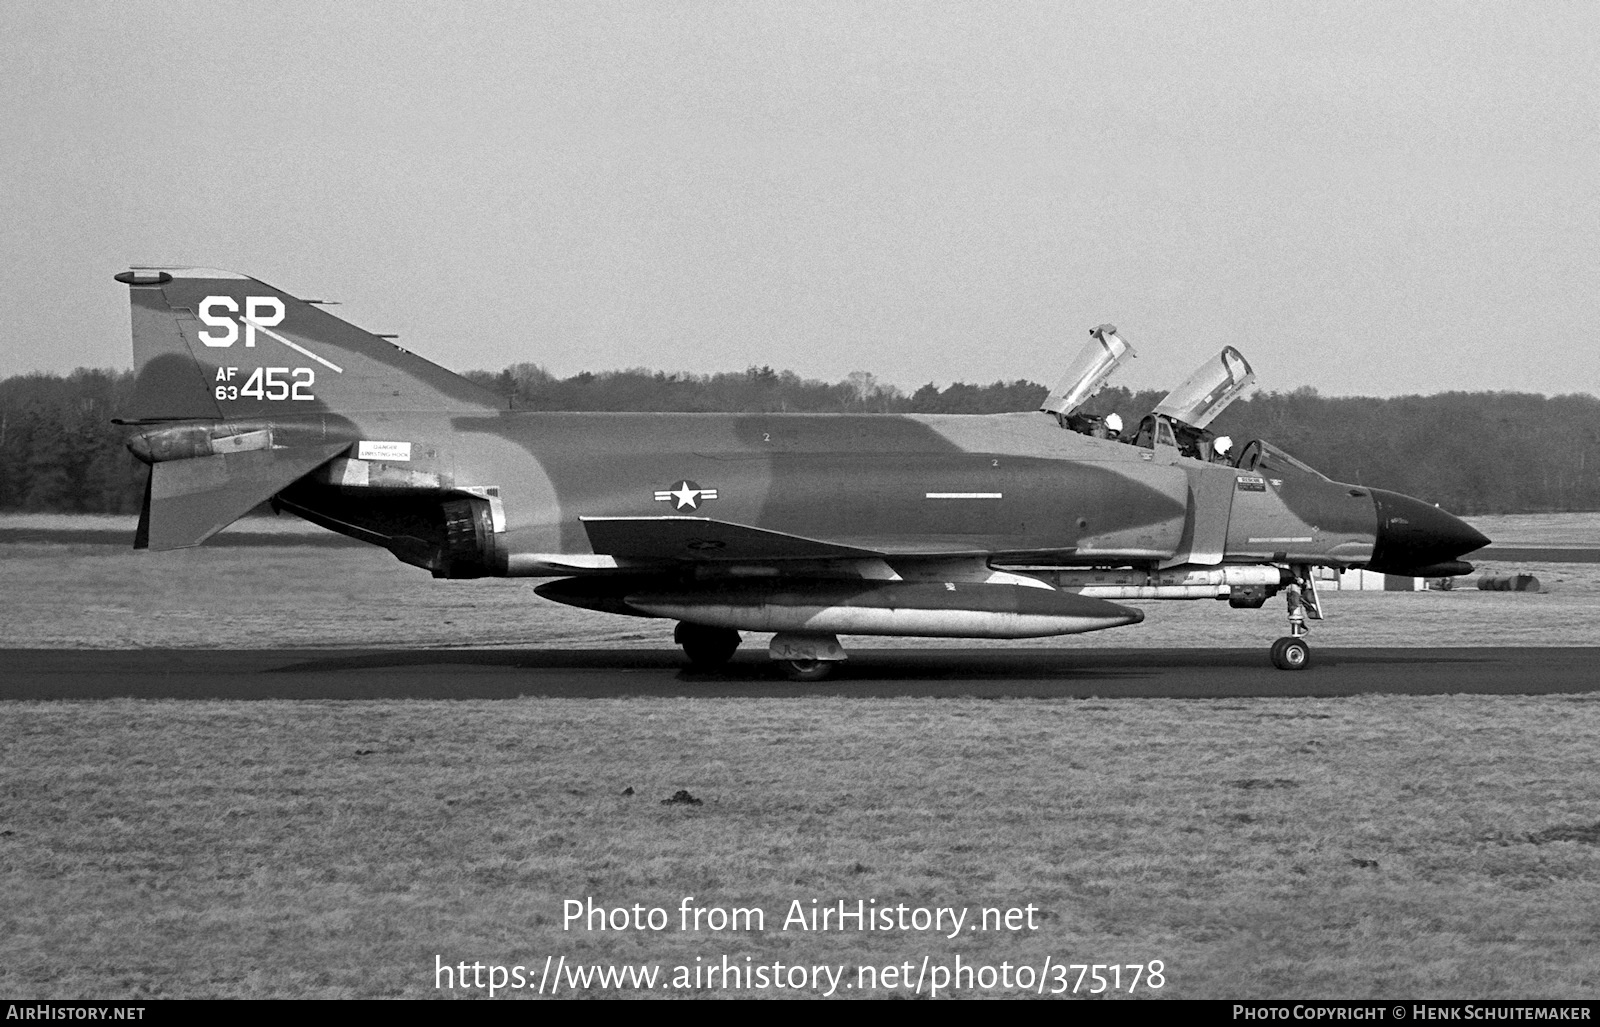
(96, 597)
(1357, 847)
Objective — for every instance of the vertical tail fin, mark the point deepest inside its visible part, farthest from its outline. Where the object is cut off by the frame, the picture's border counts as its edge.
(210, 344)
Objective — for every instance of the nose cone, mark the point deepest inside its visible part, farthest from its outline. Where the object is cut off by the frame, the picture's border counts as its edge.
(1413, 536)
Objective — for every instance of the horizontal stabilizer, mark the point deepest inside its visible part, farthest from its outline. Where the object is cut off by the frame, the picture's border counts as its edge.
(190, 500)
(701, 538)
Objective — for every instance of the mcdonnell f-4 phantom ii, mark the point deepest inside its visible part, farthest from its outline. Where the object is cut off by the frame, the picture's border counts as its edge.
(807, 526)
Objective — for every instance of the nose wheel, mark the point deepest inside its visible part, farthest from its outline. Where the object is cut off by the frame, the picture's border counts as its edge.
(1291, 653)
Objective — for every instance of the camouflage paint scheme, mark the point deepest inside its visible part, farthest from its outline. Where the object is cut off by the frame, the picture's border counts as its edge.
(246, 394)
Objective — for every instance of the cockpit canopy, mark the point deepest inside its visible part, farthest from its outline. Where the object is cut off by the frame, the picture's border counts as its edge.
(1207, 392)
(1088, 372)
(1265, 458)
(1178, 422)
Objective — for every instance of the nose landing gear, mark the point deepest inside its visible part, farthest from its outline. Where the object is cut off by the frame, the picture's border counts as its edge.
(1293, 652)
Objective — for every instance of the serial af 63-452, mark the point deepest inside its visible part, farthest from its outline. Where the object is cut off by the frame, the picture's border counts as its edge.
(808, 526)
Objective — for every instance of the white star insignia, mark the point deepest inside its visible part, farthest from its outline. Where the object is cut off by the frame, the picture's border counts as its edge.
(686, 495)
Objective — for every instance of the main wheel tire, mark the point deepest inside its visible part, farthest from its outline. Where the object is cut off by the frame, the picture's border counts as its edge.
(806, 670)
(1291, 653)
(707, 648)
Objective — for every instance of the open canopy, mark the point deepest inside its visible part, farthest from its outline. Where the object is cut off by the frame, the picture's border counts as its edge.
(1208, 391)
(1088, 371)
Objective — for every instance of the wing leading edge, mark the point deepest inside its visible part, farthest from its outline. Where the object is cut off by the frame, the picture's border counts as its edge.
(701, 538)
(704, 539)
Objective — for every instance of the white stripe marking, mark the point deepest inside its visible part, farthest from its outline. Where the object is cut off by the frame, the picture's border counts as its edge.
(294, 346)
(1306, 538)
(962, 495)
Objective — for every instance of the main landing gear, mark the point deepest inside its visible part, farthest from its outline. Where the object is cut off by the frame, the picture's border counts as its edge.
(1292, 652)
(707, 648)
(806, 657)
(801, 656)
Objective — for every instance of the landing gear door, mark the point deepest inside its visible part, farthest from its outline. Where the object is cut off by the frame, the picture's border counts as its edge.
(1088, 371)
(1208, 391)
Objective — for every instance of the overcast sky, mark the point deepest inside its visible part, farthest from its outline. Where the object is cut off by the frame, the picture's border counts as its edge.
(1369, 199)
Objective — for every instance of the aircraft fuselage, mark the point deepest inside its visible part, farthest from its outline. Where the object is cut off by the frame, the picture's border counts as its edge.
(1013, 487)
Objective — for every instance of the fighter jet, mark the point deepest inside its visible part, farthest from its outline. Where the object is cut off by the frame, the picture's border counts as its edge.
(807, 526)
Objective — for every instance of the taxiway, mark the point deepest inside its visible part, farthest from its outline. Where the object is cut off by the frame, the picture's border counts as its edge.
(869, 673)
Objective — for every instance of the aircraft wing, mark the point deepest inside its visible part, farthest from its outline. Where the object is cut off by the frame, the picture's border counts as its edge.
(1001, 548)
(701, 538)
(705, 539)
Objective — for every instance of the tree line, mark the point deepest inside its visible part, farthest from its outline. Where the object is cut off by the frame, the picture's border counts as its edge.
(1472, 453)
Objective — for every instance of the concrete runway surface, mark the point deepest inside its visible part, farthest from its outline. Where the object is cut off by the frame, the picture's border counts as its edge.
(869, 673)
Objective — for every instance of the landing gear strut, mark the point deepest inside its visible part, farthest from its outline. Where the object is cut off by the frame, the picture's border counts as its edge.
(707, 648)
(1293, 652)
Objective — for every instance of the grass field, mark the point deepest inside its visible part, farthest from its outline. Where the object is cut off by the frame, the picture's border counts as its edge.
(1375, 846)
(1382, 846)
(1562, 529)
